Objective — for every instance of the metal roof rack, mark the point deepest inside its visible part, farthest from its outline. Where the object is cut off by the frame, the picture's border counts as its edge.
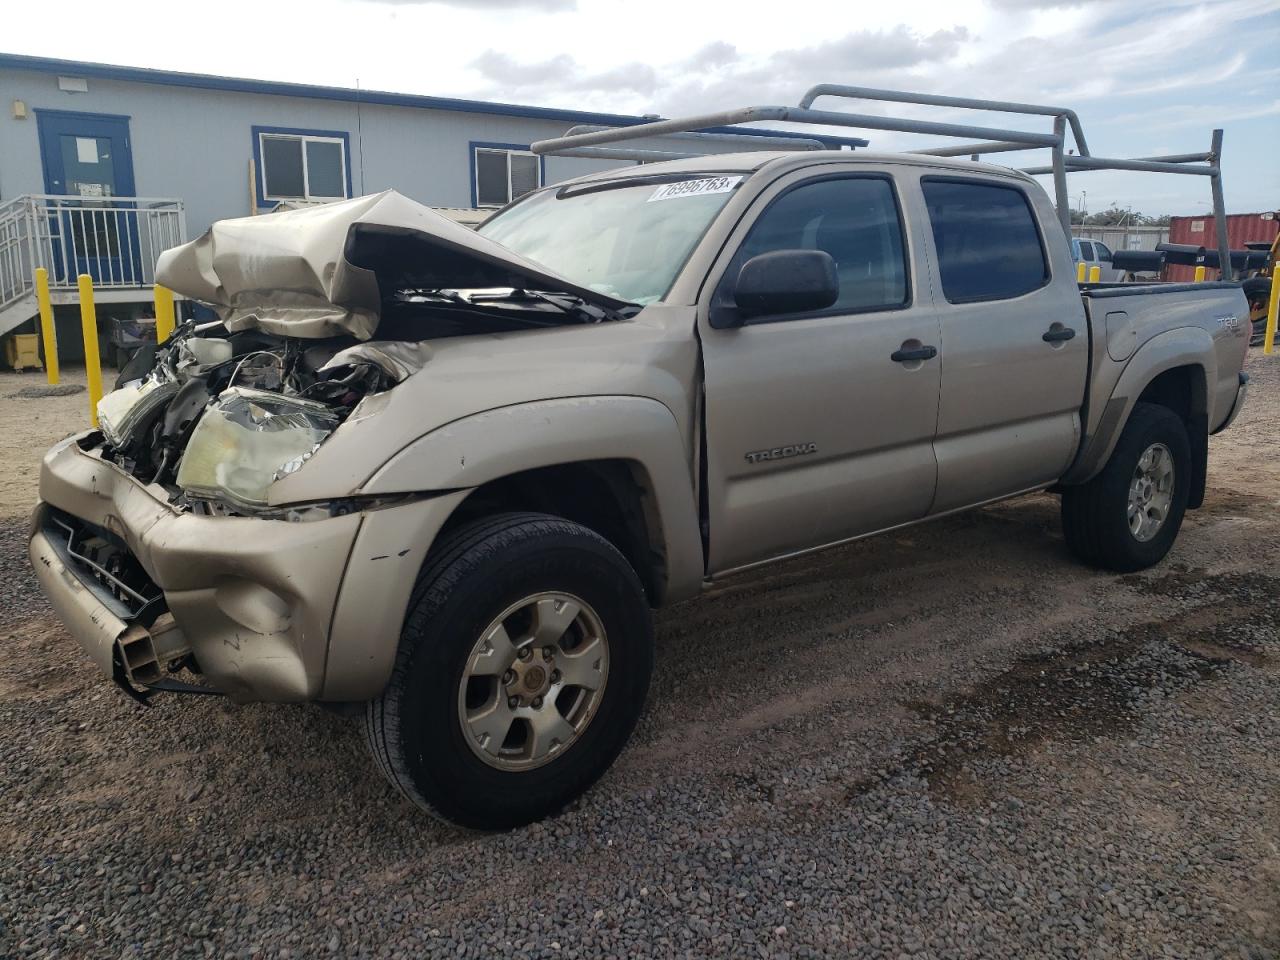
(586, 141)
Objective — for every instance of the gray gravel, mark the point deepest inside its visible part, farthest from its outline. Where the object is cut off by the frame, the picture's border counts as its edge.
(949, 742)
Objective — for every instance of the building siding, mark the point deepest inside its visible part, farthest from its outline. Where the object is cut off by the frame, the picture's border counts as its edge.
(191, 136)
(196, 144)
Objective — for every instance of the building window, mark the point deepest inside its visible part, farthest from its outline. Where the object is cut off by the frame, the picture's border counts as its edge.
(503, 173)
(301, 165)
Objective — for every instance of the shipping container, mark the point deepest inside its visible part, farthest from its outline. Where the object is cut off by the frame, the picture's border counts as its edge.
(1201, 231)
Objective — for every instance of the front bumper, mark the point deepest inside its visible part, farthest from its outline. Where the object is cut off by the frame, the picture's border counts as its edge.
(270, 610)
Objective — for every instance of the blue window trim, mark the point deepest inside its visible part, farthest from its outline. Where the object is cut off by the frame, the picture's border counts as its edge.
(260, 173)
(170, 78)
(487, 145)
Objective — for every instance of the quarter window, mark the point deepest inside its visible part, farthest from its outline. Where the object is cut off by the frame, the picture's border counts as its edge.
(988, 245)
(505, 175)
(303, 166)
(853, 219)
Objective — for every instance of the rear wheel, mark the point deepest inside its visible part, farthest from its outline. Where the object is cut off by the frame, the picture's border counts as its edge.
(522, 669)
(1127, 517)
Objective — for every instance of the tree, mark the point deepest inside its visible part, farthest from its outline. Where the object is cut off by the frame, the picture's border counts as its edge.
(1111, 217)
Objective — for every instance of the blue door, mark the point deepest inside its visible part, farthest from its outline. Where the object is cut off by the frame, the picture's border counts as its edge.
(86, 159)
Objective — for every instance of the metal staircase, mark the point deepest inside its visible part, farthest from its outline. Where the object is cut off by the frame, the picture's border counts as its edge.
(115, 240)
(17, 298)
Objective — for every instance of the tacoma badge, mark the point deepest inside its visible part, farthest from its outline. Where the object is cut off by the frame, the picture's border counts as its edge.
(781, 453)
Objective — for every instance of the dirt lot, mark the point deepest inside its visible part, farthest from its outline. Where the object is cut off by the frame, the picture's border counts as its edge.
(948, 742)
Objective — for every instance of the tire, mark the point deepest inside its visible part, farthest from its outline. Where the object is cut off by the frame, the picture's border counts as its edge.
(1096, 516)
(418, 728)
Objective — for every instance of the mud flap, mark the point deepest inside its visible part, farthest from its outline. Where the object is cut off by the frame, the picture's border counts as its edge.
(1198, 436)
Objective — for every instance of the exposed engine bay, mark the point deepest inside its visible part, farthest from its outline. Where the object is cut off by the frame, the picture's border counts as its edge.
(216, 417)
(320, 311)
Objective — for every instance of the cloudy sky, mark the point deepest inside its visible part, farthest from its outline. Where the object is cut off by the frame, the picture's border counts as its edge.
(1146, 77)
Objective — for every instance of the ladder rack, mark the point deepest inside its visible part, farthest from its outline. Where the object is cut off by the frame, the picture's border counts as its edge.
(594, 141)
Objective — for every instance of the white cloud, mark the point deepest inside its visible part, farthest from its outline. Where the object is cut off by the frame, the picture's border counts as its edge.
(547, 5)
(1138, 77)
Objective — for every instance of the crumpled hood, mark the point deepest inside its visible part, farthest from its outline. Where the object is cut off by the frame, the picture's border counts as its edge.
(324, 271)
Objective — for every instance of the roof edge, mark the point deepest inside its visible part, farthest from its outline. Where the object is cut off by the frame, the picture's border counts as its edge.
(202, 81)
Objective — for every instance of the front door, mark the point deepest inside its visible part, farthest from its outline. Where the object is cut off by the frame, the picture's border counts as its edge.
(820, 425)
(86, 159)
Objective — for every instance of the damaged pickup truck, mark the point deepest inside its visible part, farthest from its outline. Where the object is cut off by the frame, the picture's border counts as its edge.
(447, 474)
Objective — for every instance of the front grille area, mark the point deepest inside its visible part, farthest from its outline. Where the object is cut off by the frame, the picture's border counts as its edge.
(105, 565)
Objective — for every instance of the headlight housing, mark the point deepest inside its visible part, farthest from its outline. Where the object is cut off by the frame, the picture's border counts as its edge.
(120, 411)
(247, 440)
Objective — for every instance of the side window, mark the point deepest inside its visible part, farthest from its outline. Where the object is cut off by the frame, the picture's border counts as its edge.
(856, 221)
(1086, 251)
(988, 244)
(1104, 254)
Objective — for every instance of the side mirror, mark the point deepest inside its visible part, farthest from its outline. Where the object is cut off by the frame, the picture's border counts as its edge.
(786, 281)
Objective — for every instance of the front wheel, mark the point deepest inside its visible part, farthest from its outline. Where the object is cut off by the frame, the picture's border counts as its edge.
(523, 665)
(1127, 517)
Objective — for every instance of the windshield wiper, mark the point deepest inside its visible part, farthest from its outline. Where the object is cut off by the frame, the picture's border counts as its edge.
(567, 303)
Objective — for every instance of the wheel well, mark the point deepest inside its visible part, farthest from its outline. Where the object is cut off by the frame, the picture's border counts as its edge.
(611, 497)
(1181, 389)
(1184, 391)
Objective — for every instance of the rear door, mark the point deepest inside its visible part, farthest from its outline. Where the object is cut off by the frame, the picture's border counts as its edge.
(814, 433)
(1015, 343)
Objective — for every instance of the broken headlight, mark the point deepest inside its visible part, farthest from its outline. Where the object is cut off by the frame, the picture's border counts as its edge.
(247, 440)
(120, 411)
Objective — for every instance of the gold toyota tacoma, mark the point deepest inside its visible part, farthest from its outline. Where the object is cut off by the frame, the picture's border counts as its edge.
(447, 474)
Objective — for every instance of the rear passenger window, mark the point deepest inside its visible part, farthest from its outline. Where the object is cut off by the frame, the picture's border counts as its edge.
(855, 220)
(1086, 251)
(988, 244)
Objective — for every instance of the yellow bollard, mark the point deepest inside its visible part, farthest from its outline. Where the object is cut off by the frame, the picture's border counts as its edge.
(92, 359)
(1273, 314)
(46, 325)
(1200, 274)
(164, 313)
(1095, 274)
(1081, 271)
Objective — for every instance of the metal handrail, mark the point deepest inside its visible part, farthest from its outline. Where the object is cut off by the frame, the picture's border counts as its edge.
(117, 240)
(15, 275)
(991, 140)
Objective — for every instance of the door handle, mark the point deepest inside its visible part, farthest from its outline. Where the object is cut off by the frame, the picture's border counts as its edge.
(1058, 334)
(919, 353)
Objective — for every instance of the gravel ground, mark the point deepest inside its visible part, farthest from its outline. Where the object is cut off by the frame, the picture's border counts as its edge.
(947, 742)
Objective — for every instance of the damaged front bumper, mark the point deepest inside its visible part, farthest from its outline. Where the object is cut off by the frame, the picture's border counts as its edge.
(268, 609)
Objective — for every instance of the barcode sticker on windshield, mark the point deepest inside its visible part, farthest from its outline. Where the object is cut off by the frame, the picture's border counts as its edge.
(694, 188)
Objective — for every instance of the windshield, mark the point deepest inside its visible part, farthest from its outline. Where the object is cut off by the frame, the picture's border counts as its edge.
(625, 242)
